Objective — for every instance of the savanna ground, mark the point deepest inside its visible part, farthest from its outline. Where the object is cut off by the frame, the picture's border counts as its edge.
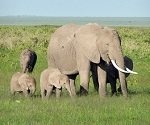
(89, 110)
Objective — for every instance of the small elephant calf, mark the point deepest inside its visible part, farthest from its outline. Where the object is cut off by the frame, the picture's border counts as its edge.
(52, 78)
(21, 82)
(113, 75)
(28, 60)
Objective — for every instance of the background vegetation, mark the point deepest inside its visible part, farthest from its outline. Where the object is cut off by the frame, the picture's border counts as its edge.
(81, 110)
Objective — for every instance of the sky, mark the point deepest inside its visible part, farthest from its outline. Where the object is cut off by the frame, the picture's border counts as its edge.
(76, 8)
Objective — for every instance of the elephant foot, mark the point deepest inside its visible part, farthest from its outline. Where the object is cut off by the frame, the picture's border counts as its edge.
(96, 88)
(114, 94)
(83, 91)
(119, 89)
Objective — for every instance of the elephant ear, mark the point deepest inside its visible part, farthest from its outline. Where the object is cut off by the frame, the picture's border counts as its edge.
(54, 78)
(128, 63)
(32, 61)
(86, 40)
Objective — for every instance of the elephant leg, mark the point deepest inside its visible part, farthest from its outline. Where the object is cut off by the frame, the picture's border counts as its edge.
(72, 84)
(112, 82)
(102, 82)
(49, 92)
(58, 92)
(43, 93)
(26, 93)
(84, 82)
(119, 89)
(123, 82)
(12, 92)
(84, 68)
(113, 88)
(95, 76)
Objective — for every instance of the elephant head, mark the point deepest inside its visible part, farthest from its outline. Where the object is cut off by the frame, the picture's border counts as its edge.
(102, 43)
(27, 60)
(27, 84)
(59, 80)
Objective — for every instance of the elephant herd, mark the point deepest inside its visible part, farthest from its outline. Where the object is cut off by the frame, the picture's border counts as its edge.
(77, 50)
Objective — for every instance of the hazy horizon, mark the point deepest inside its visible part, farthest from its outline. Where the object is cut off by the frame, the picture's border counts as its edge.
(106, 21)
(77, 16)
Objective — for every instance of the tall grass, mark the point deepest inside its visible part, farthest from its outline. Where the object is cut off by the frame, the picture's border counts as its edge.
(81, 110)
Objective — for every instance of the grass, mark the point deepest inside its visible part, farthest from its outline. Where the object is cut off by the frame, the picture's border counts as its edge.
(81, 110)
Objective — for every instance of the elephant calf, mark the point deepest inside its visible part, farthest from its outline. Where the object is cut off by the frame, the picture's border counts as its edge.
(113, 75)
(28, 60)
(21, 82)
(51, 79)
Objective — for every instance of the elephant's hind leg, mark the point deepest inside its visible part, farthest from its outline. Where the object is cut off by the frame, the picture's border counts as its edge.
(43, 93)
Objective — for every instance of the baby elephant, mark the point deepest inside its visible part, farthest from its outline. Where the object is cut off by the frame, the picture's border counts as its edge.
(52, 78)
(27, 60)
(21, 82)
(112, 75)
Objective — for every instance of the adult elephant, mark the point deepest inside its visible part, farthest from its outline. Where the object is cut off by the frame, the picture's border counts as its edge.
(72, 48)
(112, 74)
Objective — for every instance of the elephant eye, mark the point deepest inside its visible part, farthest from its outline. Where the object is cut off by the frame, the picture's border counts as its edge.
(30, 85)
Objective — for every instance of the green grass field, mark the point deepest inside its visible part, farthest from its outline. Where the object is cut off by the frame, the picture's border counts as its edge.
(89, 110)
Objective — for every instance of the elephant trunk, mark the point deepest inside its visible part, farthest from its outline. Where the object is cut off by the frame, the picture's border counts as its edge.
(120, 63)
(24, 67)
(123, 84)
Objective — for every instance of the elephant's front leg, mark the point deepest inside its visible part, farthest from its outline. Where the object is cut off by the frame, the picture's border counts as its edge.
(84, 73)
(84, 82)
(58, 92)
(49, 91)
(43, 93)
(12, 92)
(26, 93)
(102, 81)
(112, 82)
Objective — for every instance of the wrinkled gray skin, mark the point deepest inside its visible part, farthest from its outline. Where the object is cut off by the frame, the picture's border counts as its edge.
(51, 79)
(72, 48)
(21, 82)
(113, 75)
(28, 60)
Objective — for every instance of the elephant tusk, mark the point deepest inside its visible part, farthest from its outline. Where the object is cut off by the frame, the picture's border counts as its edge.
(117, 67)
(131, 71)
